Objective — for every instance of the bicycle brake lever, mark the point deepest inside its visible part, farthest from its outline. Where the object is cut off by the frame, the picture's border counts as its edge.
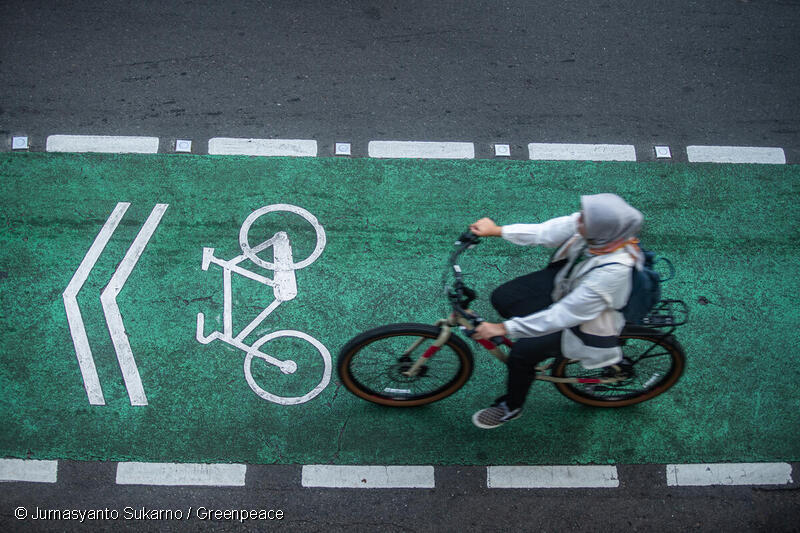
(498, 340)
(467, 238)
(494, 341)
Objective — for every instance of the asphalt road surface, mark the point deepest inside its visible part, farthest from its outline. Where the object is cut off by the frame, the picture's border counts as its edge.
(721, 72)
(703, 72)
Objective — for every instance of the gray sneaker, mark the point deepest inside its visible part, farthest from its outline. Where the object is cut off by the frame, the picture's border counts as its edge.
(495, 416)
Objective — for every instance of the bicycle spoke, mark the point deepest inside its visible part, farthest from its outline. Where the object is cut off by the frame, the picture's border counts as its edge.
(649, 356)
(646, 362)
(381, 367)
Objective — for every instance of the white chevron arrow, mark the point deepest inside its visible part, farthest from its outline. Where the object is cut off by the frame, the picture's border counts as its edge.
(108, 299)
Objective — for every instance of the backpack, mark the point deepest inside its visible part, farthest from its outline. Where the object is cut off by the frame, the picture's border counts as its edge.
(645, 288)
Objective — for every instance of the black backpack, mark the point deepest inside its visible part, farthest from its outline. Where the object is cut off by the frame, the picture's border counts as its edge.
(645, 287)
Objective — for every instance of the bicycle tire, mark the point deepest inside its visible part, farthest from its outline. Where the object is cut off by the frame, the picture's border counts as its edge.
(455, 366)
(653, 382)
(288, 400)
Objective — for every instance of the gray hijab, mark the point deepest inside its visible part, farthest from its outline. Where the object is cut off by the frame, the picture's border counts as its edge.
(608, 218)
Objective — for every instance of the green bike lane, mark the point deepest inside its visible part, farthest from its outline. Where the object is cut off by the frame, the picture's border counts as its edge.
(730, 230)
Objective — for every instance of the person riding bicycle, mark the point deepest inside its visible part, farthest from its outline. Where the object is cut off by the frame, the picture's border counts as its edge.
(570, 308)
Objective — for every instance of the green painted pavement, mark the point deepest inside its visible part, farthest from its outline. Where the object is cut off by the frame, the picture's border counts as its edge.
(731, 231)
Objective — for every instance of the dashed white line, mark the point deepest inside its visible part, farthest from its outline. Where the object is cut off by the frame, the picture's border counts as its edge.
(405, 149)
(551, 477)
(581, 152)
(729, 474)
(418, 477)
(368, 476)
(28, 470)
(736, 154)
(262, 147)
(421, 150)
(218, 475)
(102, 144)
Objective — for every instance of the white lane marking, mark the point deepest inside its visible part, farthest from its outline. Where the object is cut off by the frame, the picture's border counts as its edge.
(368, 476)
(28, 470)
(127, 364)
(262, 147)
(217, 475)
(581, 152)
(85, 360)
(551, 477)
(102, 144)
(729, 474)
(421, 150)
(736, 154)
(284, 286)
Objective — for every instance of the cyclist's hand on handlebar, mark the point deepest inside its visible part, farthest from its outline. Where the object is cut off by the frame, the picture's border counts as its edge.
(488, 330)
(485, 227)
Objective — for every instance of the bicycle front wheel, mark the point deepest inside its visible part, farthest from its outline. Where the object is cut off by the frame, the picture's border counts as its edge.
(651, 364)
(373, 365)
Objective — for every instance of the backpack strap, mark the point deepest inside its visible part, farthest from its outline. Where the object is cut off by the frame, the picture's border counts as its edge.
(562, 247)
(605, 264)
(669, 264)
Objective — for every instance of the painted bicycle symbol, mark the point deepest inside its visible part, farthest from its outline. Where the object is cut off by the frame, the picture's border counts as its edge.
(284, 286)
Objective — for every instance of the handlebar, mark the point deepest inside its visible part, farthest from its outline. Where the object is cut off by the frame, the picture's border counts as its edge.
(468, 238)
(460, 296)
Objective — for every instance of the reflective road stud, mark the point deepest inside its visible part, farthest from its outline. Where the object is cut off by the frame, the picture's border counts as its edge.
(19, 143)
(502, 150)
(183, 145)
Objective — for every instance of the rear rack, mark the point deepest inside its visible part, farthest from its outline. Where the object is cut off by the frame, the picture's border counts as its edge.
(667, 313)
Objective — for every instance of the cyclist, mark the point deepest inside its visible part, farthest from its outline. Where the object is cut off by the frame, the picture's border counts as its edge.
(570, 307)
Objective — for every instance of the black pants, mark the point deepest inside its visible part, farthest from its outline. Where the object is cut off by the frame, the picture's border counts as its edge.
(520, 297)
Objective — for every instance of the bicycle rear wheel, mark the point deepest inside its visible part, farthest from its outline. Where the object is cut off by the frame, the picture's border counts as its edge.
(651, 364)
(371, 365)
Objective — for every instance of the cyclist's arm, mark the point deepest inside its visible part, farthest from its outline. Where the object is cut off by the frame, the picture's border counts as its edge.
(580, 305)
(551, 233)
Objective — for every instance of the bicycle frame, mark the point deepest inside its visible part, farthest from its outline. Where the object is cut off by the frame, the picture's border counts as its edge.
(284, 286)
(447, 325)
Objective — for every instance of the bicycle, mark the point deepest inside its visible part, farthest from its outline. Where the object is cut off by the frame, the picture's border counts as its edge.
(284, 286)
(379, 365)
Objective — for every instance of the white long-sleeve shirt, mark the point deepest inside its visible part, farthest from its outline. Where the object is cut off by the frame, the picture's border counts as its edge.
(551, 233)
(579, 306)
(588, 299)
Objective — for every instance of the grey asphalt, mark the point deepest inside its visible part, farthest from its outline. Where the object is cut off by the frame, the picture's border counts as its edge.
(460, 502)
(639, 72)
(718, 72)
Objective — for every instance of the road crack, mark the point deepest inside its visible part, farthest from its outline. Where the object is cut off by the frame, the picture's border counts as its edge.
(339, 439)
